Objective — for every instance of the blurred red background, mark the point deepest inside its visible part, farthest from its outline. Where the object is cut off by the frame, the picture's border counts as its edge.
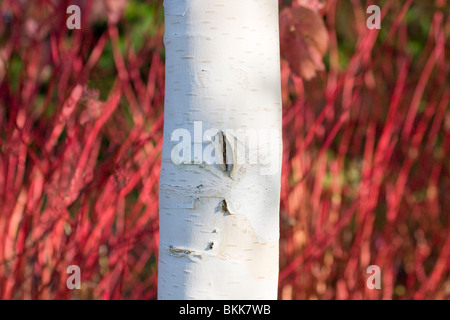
(366, 169)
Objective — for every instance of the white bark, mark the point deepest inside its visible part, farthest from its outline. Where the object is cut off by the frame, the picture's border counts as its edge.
(219, 227)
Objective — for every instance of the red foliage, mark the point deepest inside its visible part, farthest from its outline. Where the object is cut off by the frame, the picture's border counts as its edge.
(303, 40)
(365, 174)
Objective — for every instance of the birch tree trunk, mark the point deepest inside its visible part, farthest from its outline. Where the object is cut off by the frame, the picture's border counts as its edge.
(221, 160)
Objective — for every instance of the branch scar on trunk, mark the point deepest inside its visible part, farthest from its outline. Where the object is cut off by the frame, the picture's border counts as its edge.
(224, 207)
(183, 252)
(227, 161)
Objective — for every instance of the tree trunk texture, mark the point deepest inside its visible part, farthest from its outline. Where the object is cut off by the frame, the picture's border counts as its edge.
(221, 160)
